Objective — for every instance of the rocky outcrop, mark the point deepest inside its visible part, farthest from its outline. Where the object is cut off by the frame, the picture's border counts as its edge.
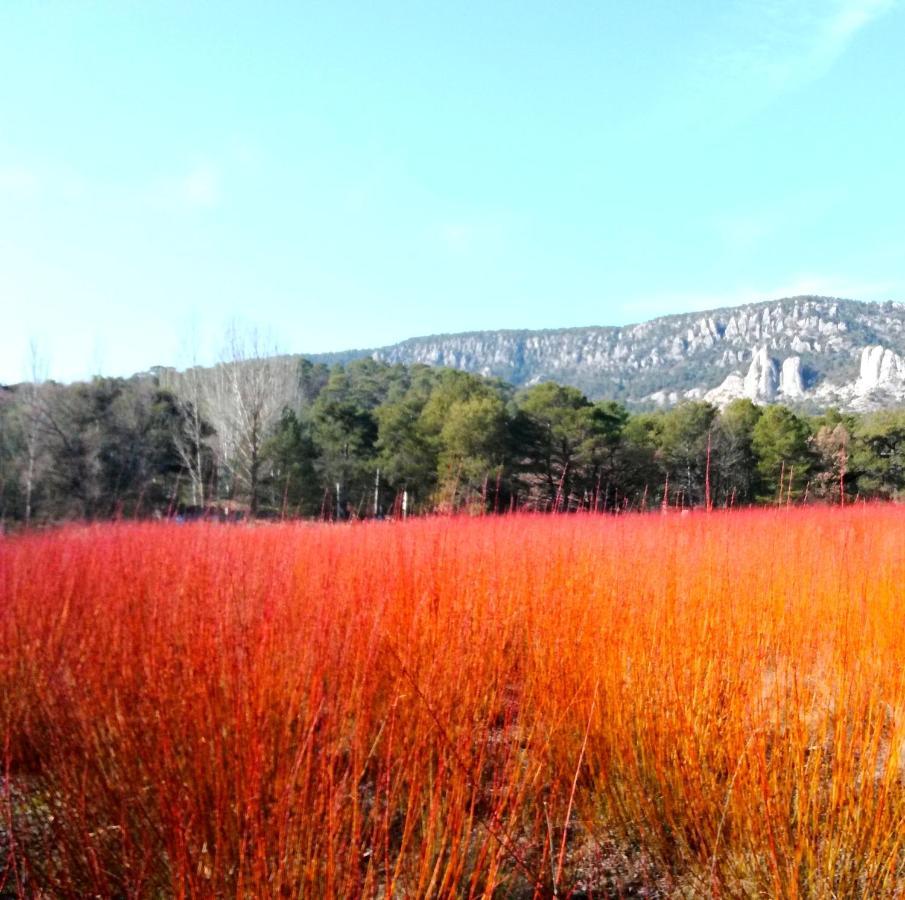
(731, 388)
(762, 380)
(791, 381)
(808, 350)
(880, 368)
(880, 382)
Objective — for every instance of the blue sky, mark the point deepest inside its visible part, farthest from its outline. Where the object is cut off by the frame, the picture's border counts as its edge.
(350, 174)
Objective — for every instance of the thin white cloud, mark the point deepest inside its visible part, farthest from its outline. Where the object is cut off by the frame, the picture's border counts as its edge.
(475, 233)
(793, 45)
(54, 183)
(201, 187)
(849, 19)
(754, 52)
(18, 180)
(459, 236)
(744, 231)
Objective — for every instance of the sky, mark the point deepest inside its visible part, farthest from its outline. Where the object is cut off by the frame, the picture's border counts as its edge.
(341, 175)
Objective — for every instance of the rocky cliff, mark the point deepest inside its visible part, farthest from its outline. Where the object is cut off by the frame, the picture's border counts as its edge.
(809, 351)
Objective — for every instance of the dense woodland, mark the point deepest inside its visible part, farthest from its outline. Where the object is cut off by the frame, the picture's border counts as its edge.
(261, 436)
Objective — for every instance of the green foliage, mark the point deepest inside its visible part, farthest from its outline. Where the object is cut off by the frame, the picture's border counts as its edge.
(473, 448)
(12, 459)
(569, 445)
(878, 454)
(292, 484)
(345, 433)
(685, 437)
(312, 378)
(407, 456)
(445, 438)
(781, 443)
(735, 472)
(99, 449)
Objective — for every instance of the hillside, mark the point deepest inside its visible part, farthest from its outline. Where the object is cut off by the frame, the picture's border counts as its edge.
(808, 351)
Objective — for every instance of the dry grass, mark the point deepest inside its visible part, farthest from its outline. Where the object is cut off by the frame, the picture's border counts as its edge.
(701, 705)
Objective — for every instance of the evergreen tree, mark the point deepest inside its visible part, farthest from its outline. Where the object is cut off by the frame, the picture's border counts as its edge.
(780, 440)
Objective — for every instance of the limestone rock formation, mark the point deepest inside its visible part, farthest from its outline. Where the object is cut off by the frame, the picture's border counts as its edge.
(762, 379)
(791, 382)
(814, 351)
(880, 368)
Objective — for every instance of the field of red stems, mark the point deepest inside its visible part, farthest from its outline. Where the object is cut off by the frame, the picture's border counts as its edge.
(701, 705)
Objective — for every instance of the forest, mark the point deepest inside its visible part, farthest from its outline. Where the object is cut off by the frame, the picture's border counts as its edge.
(260, 436)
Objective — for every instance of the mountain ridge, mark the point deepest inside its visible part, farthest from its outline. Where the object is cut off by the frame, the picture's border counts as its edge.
(810, 351)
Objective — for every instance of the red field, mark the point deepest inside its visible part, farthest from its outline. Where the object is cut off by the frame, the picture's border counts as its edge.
(700, 705)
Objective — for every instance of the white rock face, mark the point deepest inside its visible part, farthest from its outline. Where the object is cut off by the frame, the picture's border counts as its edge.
(753, 351)
(664, 398)
(762, 380)
(880, 368)
(732, 387)
(880, 381)
(791, 384)
(871, 361)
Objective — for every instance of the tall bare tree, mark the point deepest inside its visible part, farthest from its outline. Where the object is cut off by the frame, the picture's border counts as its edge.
(245, 395)
(191, 430)
(32, 415)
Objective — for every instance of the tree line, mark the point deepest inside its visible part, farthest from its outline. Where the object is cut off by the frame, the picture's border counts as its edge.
(273, 436)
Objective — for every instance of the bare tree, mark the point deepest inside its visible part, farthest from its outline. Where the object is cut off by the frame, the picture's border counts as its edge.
(192, 429)
(33, 414)
(245, 397)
